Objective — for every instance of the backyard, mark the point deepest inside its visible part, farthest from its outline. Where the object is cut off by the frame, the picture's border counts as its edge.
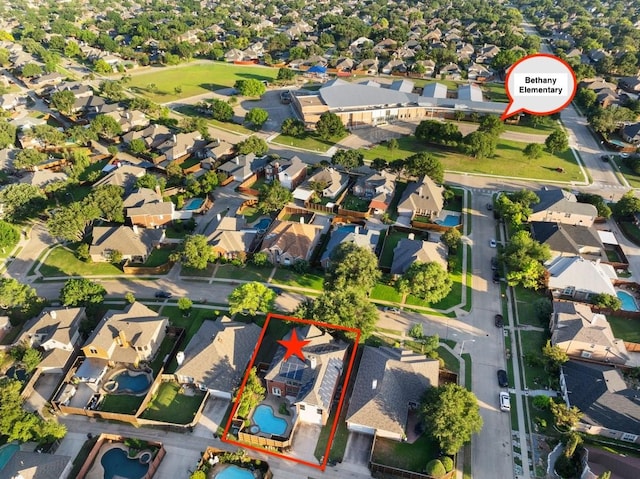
(194, 78)
(533, 364)
(625, 329)
(354, 203)
(121, 403)
(173, 404)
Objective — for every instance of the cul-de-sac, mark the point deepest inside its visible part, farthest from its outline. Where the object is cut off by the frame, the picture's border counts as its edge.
(292, 239)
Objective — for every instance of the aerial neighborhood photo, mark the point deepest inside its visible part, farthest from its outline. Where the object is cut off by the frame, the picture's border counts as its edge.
(340, 239)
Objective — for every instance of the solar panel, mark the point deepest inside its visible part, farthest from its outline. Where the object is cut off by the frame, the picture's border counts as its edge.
(292, 369)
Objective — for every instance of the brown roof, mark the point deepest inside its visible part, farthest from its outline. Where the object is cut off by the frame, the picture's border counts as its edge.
(291, 237)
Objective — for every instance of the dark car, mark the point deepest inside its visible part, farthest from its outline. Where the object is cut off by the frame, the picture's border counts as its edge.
(276, 290)
(490, 206)
(498, 320)
(163, 294)
(496, 277)
(503, 380)
(494, 263)
(605, 157)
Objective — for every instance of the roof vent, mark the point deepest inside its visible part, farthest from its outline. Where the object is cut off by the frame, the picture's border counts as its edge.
(374, 384)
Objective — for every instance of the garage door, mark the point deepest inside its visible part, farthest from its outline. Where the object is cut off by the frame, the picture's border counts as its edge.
(360, 428)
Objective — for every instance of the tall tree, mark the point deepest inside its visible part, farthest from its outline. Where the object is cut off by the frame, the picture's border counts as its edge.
(627, 206)
(70, 223)
(14, 294)
(329, 125)
(422, 164)
(195, 252)
(9, 236)
(452, 415)
(352, 265)
(253, 394)
(428, 281)
(21, 200)
(492, 124)
(81, 292)
(108, 199)
(257, 117)
(252, 144)
(348, 159)
(479, 144)
(251, 297)
(533, 151)
(7, 133)
(250, 87)
(273, 197)
(557, 141)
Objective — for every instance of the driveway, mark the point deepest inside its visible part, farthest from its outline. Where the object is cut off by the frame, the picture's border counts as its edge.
(358, 448)
(305, 438)
(212, 417)
(43, 390)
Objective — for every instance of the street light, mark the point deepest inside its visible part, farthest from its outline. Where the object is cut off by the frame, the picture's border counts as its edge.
(465, 341)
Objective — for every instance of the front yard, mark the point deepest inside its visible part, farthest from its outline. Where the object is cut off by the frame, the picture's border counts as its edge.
(62, 261)
(286, 276)
(536, 375)
(412, 457)
(247, 272)
(309, 141)
(173, 404)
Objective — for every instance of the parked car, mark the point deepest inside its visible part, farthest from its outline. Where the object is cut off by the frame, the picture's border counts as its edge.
(163, 294)
(624, 155)
(391, 310)
(496, 277)
(276, 290)
(498, 320)
(493, 243)
(489, 206)
(503, 379)
(494, 263)
(605, 157)
(505, 402)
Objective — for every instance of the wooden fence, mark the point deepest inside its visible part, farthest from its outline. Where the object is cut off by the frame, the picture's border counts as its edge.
(433, 226)
(360, 215)
(260, 441)
(246, 189)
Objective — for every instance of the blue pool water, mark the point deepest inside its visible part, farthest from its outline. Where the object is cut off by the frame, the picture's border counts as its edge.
(628, 302)
(234, 472)
(347, 228)
(116, 463)
(6, 453)
(449, 220)
(193, 204)
(268, 422)
(263, 224)
(135, 384)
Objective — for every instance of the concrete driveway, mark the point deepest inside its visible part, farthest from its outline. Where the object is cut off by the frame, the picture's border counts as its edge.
(358, 448)
(212, 417)
(43, 390)
(305, 439)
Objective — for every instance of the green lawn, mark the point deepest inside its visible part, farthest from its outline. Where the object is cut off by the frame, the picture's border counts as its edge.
(251, 214)
(291, 278)
(390, 242)
(170, 404)
(245, 273)
(412, 457)
(121, 403)
(495, 92)
(62, 261)
(340, 437)
(393, 206)
(507, 161)
(310, 141)
(451, 361)
(625, 329)
(631, 176)
(630, 231)
(532, 344)
(194, 79)
(200, 273)
(354, 203)
(385, 292)
(225, 125)
(525, 302)
(165, 348)
(158, 257)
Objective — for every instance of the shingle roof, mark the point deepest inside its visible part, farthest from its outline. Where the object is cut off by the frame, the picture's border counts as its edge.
(124, 239)
(565, 238)
(292, 238)
(365, 237)
(409, 251)
(31, 465)
(387, 381)
(232, 241)
(562, 201)
(125, 176)
(602, 395)
(423, 195)
(219, 352)
(581, 274)
(57, 324)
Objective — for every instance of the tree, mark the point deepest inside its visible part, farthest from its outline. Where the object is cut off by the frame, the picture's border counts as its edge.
(150, 181)
(293, 127)
(113, 90)
(7, 133)
(349, 159)
(329, 125)
(137, 146)
(185, 305)
(597, 201)
(439, 133)
(524, 257)
(257, 117)
(492, 125)
(221, 110)
(435, 468)
(273, 197)
(63, 101)
(515, 208)
(252, 144)
(423, 164)
(557, 141)
(555, 356)
(451, 238)
(199, 474)
(479, 144)
(607, 120)
(70, 223)
(607, 301)
(286, 74)
(129, 297)
(250, 87)
(352, 265)
(21, 200)
(541, 402)
(428, 281)
(251, 298)
(28, 158)
(564, 416)
(626, 207)
(81, 292)
(14, 294)
(543, 308)
(107, 199)
(101, 66)
(106, 126)
(252, 394)
(345, 307)
(31, 70)
(31, 358)
(81, 135)
(453, 416)
(195, 252)
(392, 144)
(533, 151)
(9, 236)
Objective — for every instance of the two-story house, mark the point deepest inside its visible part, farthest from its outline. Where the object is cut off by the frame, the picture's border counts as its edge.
(421, 198)
(145, 208)
(560, 206)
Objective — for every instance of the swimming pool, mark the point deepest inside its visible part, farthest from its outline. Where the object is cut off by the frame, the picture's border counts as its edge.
(129, 383)
(7, 452)
(268, 422)
(193, 204)
(116, 464)
(628, 301)
(449, 220)
(234, 472)
(263, 224)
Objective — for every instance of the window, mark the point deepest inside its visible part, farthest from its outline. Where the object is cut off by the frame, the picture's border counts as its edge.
(276, 391)
(629, 437)
(93, 351)
(301, 407)
(319, 411)
(586, 354)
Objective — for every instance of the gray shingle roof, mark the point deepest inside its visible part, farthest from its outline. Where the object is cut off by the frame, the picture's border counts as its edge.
(409, 251)
(562, 201)
(565, 238)
(388, 380)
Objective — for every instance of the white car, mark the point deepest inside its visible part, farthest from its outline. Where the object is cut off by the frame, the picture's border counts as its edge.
(505, 402)
(624, 155)
(493, 243)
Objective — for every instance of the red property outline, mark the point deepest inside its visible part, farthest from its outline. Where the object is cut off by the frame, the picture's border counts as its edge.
(334, 426)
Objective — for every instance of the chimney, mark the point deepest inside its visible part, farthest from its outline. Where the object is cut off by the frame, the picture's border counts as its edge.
(180, 358)
(420, 191)
(356, 230)
(174, 138)
(123, 338)
(411, 236)
(158, 192)
(302, 220)
(374, 384)
(53, 314)
(236, 160)
(136, 231)
(313, 362)
(218, 217)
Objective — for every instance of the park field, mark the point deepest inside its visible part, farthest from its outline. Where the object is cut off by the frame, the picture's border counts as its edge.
(159, 83)
(509, 160)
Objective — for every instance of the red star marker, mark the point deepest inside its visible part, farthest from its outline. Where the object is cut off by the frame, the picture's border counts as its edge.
(294, 346)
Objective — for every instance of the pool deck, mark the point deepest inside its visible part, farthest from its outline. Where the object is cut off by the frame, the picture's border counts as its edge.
(97, 471)
(274, 403)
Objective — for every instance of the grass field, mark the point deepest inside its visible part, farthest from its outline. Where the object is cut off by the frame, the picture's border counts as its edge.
(507, 161)
(62, 261)
(625, 329)
(194, 79)
(225, 125)
(628, 173)
(412, 457)
(525, 302)
(310, 141)
(170, 404)
(291, 278)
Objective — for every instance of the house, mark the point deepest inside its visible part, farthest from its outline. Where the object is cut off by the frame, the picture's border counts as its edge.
(181, 144)
(360, 236)
(581, 333)
(287, 242)
(631, 133)
(42, 178)
(215, 151)
(421, 198)
(122, 175)
(569, 240)
(379, 187)
(145, 208)
(243, 166)
(609, 405)
(231, 244)
(409, 250)
(560, 206)
(387, 390)
(217, 355)
(311, 384)
(479, 72)
(451, 71)
(630, 84)
(395, 65)
(579, 278)
(153, 136)
(33, 465)
(290, 173)
(135, 244)
(129, 119)
(128, 336)
(333, 180)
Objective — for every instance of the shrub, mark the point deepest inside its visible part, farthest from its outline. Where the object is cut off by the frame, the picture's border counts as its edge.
(541, 402)
(447, 462)
(435, 468)
(416, 331)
